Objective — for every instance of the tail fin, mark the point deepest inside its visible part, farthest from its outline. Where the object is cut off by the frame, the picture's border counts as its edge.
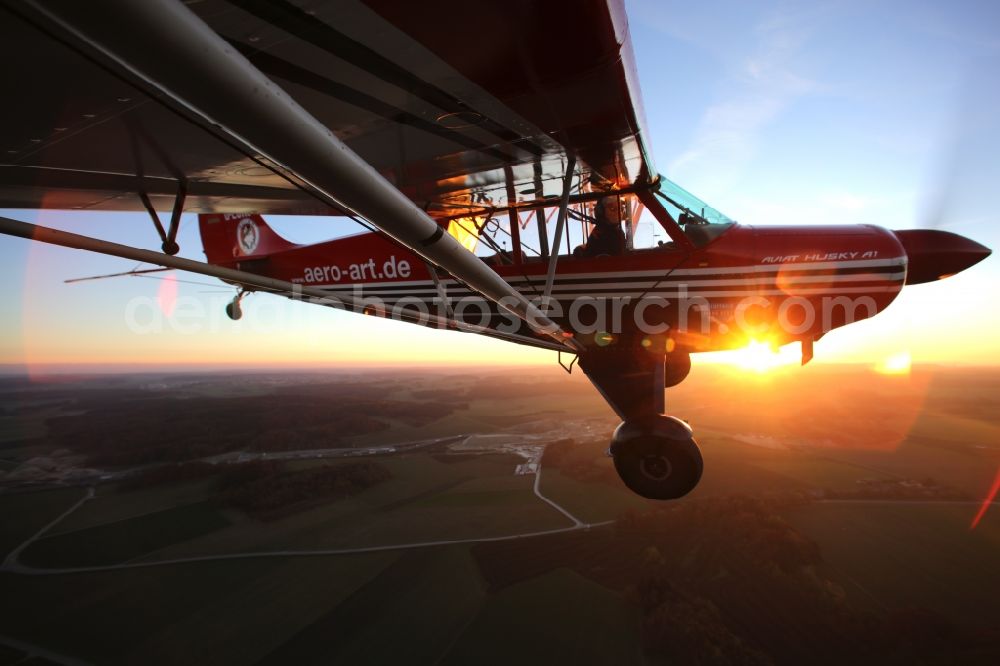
(233, 237)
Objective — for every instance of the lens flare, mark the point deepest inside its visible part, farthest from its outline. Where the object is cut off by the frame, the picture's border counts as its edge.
(167, 295)
(987, 501)
(897, 364)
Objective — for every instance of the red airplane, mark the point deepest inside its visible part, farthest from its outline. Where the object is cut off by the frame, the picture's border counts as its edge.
(505, 186)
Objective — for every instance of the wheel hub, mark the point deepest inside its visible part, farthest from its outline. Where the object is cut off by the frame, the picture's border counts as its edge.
(655, 467)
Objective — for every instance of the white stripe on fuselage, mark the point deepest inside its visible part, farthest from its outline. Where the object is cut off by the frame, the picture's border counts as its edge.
(668, 294)
(652, 276)
(672, 288)
(583, 288)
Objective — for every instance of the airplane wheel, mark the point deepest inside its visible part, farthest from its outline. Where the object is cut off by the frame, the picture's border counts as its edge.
(234, 311)
(657, 458)
(170, 247)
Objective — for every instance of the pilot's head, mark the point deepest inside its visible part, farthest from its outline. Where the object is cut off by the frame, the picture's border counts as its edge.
(608, 211)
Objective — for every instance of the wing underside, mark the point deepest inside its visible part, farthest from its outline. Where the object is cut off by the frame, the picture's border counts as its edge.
(459, 105)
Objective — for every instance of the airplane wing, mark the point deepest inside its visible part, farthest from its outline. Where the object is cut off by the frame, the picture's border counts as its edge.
(458, 104)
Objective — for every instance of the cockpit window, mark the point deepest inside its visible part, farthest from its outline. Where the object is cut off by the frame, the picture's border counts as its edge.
(678, 201)
(700, 222)
(466, 231)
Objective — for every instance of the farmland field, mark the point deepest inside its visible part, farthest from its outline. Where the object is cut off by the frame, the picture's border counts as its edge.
(26, 513)
(559, 617)
(118, 542)
(829, 533)
(907, 554)
(423, 600)
(112, 505)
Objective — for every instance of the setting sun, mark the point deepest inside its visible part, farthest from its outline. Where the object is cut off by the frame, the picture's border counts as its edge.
(897, 364)
(759, 357)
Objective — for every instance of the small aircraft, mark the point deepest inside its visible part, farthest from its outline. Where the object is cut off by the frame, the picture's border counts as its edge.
(504, 180)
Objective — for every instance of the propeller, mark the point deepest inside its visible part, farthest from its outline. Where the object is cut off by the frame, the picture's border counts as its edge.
(934, 253)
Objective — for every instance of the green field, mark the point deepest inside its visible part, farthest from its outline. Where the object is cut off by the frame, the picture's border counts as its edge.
(590, 502)
(485, 416)
(557, 618)
(412, 612)
(428, 498)
(212, 612)
(424, 606)
(17, 429)
(110, 505)
(262, 613)
(756, 557)
(125, 540)
(425, 500)
(894, 555)
(23, 514)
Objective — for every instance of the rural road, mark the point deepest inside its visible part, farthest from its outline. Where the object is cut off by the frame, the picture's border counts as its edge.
(12, 565)
(10, 562)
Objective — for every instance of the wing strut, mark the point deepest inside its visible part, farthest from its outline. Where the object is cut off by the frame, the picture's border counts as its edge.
(168, 236)
(176, 54)
(442, 292)
(560, 223)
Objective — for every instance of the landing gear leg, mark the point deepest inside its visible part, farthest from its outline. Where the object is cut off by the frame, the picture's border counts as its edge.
(655, 455)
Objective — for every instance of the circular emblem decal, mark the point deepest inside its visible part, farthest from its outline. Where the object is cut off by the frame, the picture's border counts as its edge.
(247, 235)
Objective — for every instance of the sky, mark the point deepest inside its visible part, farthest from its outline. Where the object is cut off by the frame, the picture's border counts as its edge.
(772, 112)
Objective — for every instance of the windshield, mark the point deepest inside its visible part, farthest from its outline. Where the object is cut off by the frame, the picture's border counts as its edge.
(679, 201)
(700, 222)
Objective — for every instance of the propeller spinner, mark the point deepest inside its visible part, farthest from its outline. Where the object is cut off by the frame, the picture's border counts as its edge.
(934, 254)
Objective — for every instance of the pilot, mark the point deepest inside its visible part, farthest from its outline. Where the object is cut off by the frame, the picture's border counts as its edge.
(607, 237)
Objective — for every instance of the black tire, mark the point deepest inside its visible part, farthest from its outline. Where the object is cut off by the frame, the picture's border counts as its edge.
(234, 311)
(655, 462)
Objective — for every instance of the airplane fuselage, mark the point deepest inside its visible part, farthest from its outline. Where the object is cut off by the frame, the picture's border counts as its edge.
(773, 283)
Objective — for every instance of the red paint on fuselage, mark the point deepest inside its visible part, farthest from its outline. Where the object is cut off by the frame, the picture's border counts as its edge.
(773, 283)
